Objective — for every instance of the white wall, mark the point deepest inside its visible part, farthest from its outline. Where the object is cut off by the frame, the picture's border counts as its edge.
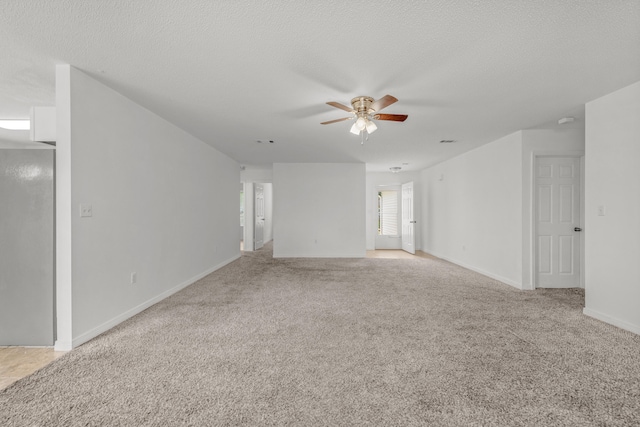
(257, 173)
(375, 179)
(613, 181)
(472, 209)
(162, 205)
(319, 210)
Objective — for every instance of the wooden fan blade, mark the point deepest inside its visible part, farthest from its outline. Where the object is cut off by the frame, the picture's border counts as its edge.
(342, 107)
(392, 117)
(383, 102)
(336, 120)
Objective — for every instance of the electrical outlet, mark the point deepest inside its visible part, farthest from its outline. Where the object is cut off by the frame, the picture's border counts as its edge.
(86, 210)
(134, 277)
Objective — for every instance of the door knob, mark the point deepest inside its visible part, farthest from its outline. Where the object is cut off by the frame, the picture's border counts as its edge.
(413, 222)
(577, 229)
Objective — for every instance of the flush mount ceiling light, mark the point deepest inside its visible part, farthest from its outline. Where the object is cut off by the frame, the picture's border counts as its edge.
(395, 169)
(15, 124)
(365, 109)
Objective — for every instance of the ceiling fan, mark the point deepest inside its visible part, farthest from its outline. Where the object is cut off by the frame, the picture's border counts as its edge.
(365, 109)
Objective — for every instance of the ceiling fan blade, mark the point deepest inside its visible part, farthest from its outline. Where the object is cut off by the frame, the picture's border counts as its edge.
(392, 117)
(383, 102)
(342, 107)
(336, 120)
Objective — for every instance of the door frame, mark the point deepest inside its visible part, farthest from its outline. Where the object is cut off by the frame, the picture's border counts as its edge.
(534, 205)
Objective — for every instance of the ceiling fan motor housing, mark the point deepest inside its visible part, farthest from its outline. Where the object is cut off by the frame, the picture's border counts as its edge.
(362, 104)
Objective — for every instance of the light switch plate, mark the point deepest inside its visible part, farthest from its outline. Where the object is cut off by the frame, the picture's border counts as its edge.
(601, 210)
(86, 210)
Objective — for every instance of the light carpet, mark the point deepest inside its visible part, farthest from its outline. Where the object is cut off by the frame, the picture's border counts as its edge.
(318, 342)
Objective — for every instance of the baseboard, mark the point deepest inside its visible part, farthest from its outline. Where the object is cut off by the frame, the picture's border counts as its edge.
(29, 346)
(92, 333)
(622, 324)
(504, 280)
(62, 346)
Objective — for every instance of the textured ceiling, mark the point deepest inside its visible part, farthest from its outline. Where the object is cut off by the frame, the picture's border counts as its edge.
(233, 72)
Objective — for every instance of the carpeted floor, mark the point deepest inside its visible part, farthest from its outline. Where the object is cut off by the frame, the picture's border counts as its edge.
(343, 342)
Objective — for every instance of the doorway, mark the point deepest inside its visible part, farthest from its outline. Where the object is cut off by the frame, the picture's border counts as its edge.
(557, 204)
(258, 228)
(389, 217)
(395, 217)
(257, 215)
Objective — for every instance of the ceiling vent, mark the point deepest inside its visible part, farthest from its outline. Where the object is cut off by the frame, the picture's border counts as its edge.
(447, 141)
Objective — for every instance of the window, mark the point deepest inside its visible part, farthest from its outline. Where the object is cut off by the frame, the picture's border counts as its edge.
(388, 213)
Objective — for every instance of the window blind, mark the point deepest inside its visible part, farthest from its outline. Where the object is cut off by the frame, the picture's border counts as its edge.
(388, 212)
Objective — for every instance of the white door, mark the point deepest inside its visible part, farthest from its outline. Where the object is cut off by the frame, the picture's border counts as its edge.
(557, 216)
(258, 229)
(408, 223)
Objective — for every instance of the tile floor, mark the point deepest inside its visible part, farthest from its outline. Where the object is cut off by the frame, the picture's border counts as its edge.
(19, 362)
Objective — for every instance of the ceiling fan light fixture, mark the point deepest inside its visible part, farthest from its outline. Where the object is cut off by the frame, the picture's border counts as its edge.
(354, 129)
(371, 127)
(361, 123)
